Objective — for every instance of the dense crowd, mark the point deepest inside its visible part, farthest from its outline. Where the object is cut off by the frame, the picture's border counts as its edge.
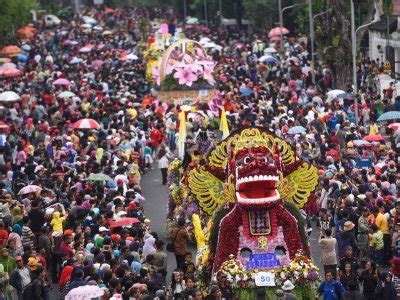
(67, 235)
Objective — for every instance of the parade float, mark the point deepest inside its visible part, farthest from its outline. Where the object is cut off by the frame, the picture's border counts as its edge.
(184, 72)
(244, 202)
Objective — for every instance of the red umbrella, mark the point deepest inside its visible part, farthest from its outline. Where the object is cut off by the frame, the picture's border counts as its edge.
(124, 222)
(277, 31)
(374, 138)
(96, 63)
(86, 124)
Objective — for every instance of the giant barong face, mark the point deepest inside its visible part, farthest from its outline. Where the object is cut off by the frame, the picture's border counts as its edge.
(256, 177)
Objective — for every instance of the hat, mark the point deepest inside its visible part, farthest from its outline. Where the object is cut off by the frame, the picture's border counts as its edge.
(103, 229)
(361, 197)
(287, 286)
(348, 225)
(279, 293)
(33, 263)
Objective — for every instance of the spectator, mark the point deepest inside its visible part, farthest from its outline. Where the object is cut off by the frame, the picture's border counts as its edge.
(328, 251)
(369, 279)
(385, 288)
(180, 240)
(330, 289)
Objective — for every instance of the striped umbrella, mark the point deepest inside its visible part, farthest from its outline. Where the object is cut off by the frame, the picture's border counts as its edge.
(86, 124)
(390, 115)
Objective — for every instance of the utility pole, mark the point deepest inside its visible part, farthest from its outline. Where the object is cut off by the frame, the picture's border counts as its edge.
(310, 14)
(184, 10)
(280, 26)
(206, 12)
(354, 54)
(220, 16)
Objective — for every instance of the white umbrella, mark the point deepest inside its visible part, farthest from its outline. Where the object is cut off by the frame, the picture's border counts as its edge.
(86, 25)
(86, 292)
(334, 93)
(9, 96)
(204, 40)
(98, 27)
(89, 20)
(66, 94)
(29, 189)
(269, 50)
(75, 61)
(213, 45)
(131, 56)
(8, 65)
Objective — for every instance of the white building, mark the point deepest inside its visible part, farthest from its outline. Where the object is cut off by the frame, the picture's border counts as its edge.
(383, 46)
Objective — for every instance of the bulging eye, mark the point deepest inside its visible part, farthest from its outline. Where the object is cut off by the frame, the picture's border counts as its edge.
(247, 160)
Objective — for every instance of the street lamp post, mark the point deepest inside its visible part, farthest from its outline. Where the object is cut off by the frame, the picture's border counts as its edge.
(310, 14)
(205, 12)
(184, 9)
(354, 53)
(281, 11)
(312, 37)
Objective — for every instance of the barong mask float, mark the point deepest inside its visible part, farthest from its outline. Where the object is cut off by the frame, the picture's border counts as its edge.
(259, 184)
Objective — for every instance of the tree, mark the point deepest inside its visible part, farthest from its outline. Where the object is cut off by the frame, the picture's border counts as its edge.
(14, 15)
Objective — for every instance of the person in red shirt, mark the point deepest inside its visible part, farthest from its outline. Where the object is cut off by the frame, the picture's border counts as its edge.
(65, 246)
(3, 235)
(156, 137)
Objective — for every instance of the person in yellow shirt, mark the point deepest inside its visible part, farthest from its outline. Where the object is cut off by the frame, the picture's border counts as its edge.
(373, 129)
(383, 226)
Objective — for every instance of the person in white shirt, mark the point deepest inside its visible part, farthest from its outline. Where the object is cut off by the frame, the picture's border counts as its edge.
(163, 164)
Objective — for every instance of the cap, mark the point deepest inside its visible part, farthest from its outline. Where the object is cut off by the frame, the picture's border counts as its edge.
(103, 229)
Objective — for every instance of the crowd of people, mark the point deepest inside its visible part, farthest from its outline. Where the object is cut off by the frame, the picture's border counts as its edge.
(65, 235)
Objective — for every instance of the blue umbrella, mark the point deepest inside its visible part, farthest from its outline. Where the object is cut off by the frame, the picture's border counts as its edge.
(390, 115)
(296, 130)
(111, 184)
(245, 91)
(26, 47)
(22, 57)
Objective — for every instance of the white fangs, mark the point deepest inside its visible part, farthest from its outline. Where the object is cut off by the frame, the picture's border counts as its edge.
(257, 200)
(256, 178)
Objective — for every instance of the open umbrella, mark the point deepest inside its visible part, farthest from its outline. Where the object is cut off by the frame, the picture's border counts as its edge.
(374, 138)
(192, 21)
(75, 60)
(269, 59)
(345, 96)
(86, 124)
(85, 292)
(269, 50)
(11, 50)
(62, 81)
(66, 94)
(97, 63)
(89, 20)
(394, 126)
(87, 48)
(296, 130)
(26, 47)
(29, 189)
(107, 32)
(99, 177)
(98, 28)
(22, 58)
(124, 222)
(390, 115)
(8, 65)
(131, 56)
(334, 93)
(360, 143)
(9, 96)
(204, 40)
(9, 72)
(277, 31)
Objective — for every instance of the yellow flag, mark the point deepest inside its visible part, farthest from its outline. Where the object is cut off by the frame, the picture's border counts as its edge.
(223, 125)
(182, 134)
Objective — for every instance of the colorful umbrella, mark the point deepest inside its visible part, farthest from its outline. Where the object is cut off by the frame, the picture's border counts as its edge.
(277, 31)
(390, 115)
(296, 130)
(99, 177)
(97, 63)
(374, 138)
(85, 292)
(124, 222)
(11, 50)
(360, 143)
(29, 189)
(62, 81)
(394, 126)
(9, 96)
(86, 124)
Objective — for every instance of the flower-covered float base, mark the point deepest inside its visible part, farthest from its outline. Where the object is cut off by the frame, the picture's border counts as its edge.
(300, 271)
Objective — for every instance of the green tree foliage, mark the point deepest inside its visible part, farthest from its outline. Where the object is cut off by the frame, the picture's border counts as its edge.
(14, 14)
